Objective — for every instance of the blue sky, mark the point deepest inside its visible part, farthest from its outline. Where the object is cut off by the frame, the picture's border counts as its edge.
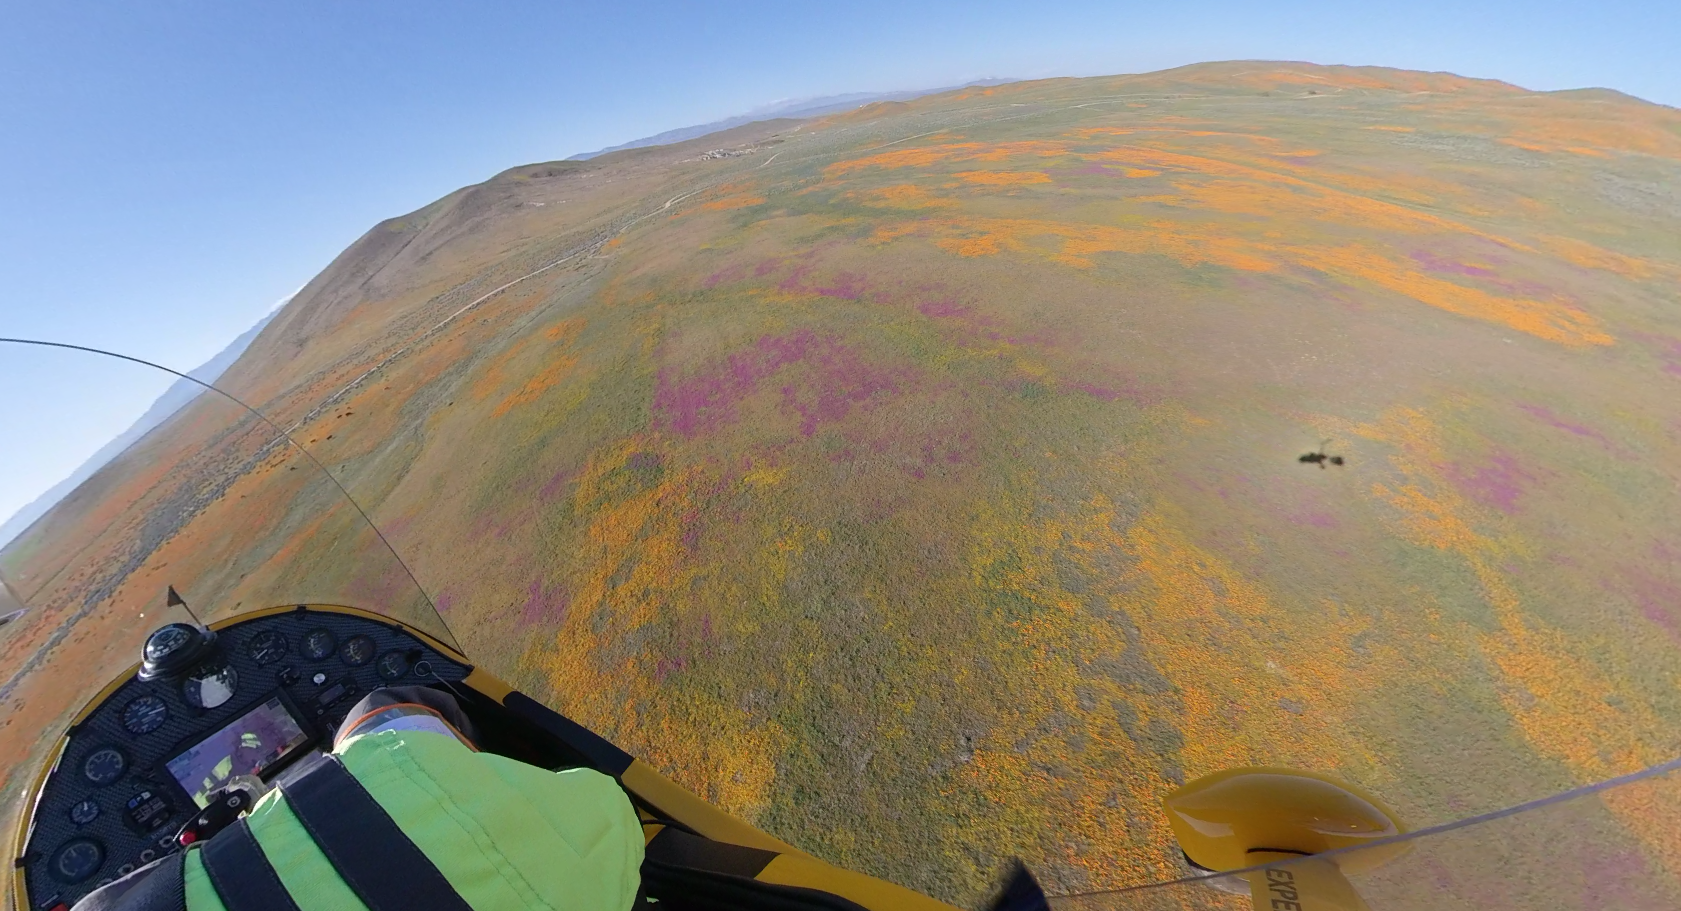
(169, 169)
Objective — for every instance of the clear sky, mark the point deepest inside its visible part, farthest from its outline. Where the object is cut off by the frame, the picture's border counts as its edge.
(170, 169)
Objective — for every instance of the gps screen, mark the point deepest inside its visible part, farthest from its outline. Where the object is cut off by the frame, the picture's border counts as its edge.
(248, 746)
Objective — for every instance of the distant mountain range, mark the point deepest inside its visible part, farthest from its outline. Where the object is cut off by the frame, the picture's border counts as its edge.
(802, 107)
(176, 397)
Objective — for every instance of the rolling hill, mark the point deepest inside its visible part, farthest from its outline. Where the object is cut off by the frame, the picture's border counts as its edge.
(922, 482)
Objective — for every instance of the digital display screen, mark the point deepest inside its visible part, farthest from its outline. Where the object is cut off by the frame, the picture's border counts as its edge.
(248, 746)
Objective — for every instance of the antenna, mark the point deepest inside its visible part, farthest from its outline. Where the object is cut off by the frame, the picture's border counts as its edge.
(175, 600)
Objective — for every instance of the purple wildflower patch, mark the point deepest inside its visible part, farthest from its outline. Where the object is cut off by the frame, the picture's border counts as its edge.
(844, 285)
(668, 665)
(1117, 388)
(727, 274)
(944, 309)
(838, 379)
(1666, 349)
(841, 379)
(1659, 600)
(1437, 264)
(1498, 483)
(1546, 416)
(691, 531)
(707, 401)
(545, 603)
(557, 485)
(1317, 518)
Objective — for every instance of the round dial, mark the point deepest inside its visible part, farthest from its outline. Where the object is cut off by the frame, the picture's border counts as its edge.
(85, 812)
(145, 715)
(266, 647)
(78, 859)
(318, 644)
(174, 649)
(210, 688)
(357, 651)
(168, 640)
(104, 766)
(392, 665)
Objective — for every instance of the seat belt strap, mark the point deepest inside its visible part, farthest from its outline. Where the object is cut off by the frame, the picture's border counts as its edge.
(241, 874)
(367, 848)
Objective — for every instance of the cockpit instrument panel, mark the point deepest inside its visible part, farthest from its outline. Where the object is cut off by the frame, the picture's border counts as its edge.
(251, 697)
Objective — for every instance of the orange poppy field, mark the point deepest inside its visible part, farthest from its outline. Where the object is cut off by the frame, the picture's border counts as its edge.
(924, 484)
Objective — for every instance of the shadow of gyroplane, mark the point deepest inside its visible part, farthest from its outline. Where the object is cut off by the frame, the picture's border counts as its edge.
(1320, 458)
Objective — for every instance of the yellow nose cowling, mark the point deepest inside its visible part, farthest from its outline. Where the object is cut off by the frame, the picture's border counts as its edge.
(1242, 817)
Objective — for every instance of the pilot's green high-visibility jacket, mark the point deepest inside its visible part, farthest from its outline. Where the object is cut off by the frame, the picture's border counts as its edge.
(504, 834)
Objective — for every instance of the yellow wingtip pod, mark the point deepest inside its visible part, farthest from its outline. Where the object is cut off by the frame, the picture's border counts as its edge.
(1243, 817)
(1221, 818)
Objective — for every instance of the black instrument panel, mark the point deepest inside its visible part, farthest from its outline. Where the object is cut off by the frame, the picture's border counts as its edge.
(113, 802)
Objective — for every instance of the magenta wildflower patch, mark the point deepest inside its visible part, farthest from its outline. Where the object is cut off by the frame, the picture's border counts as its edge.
(835, 378)
(545, 604)
(1498, 483)
(725, 275)
(1659, 599)
(1437, 264)
(1317, 518)
(842, 285)
(1546, 416)
(668, 665)
(944, 309)
(557, 485)
(1667, 350)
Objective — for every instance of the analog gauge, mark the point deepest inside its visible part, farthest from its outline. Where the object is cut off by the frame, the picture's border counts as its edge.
(318, 644)
(106, 765)
(85, 812)
(392, 665)
(78, 859)
(167, 641)
(173, 649)
(210, 688)
(266, 647)
(357, 651)
(145, 715)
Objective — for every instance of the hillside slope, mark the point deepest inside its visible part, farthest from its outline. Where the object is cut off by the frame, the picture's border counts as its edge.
(796, 109)
(922, 483)
(174, 399)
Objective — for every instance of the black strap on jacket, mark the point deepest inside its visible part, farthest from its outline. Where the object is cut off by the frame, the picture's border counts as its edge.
(241, 873)
(367, 848)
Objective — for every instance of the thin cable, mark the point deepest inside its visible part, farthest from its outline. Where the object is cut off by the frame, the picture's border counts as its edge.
(1661, 768)
(283, 435)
